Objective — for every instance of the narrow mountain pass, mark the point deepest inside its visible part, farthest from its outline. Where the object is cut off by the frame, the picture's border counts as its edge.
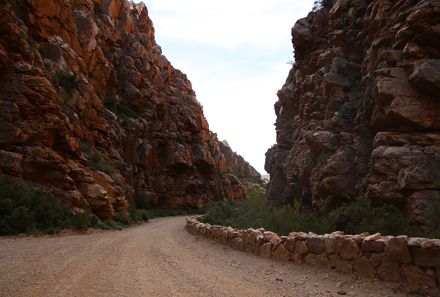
(159, 259)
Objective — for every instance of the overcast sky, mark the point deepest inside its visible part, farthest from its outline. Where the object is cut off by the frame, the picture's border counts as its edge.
(235, 53)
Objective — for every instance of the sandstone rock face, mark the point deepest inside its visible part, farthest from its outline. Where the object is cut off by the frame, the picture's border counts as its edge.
(237, 165)
(92, 111)
(360, 110)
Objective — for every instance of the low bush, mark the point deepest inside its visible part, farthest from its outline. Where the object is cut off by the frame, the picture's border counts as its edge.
(318, 4)
(111, 225)
(138, 215)
(80, 221)
(68, 81)
(354, 217)
(102, 225)
(124, 218)
(97, 162)
(433, 219)
(26, 210)
(359, 216)
(141, 202)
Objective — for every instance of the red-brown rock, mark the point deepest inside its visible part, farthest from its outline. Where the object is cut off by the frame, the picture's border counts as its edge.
(347, 248)
(86, 91)
(359, 112)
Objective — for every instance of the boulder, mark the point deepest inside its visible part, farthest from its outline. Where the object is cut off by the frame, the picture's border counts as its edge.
(315, 245)
(281, 253)
(426, 77)
(364, 268)
(266, 250)
(397, 250)
(347, 248)
(389, 271)
(300, 247)
(418, 278)
(425, 257)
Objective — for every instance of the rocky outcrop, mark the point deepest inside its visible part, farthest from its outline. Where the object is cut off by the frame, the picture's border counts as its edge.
(360, 111)
(400, 259)
(92, 111)
(237, 165)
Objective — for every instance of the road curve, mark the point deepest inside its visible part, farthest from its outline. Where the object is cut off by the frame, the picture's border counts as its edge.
(158, 259)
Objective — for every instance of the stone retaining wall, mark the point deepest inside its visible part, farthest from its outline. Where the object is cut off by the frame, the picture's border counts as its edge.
(415, 261)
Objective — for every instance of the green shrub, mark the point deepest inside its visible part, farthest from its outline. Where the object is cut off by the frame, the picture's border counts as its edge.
(80, 221)
(97, 8)
(93, 219)
(359, 216)
(26, 210)
(327, 4)
(141, 201)
(138, 215)
(102, 225)
(355, 217)
(98, 163)
(123, 218)
(69, 82)
(318, 4)
(112, 225)
(433, 219)
(143, 214)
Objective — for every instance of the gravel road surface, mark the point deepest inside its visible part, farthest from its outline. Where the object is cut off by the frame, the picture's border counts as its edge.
(159, 259)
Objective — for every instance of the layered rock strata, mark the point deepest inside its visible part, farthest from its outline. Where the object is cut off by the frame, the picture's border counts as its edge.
(414, 261)
(359, 113)
(93, 112)
(237, 165)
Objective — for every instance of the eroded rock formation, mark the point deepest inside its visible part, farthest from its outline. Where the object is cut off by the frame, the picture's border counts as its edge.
(92, 111)
(237, 165)
(360, 110)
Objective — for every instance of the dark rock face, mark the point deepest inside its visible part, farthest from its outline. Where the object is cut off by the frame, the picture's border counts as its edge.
(237, 165)
(93, 112)
(360, 110)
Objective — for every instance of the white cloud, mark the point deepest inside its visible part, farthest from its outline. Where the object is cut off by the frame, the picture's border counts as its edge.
(229, 23)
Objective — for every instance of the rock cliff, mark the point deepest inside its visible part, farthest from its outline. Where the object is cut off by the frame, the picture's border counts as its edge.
(92, 111)
(359, 113)
(237, 165)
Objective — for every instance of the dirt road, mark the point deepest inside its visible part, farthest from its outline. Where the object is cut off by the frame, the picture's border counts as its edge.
(158, 259)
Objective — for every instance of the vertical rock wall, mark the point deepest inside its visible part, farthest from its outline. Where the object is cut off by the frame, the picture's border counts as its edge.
(92, 111)
(359, 113)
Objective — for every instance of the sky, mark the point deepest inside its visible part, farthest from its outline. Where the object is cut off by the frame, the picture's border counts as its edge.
(236, 53)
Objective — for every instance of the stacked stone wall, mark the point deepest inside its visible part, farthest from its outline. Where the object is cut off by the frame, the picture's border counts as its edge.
(397, 259)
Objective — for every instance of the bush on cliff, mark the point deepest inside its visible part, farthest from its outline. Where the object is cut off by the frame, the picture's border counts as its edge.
(318, 4)
(68, 81)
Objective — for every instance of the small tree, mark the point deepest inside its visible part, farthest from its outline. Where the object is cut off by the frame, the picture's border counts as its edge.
(327, 4)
